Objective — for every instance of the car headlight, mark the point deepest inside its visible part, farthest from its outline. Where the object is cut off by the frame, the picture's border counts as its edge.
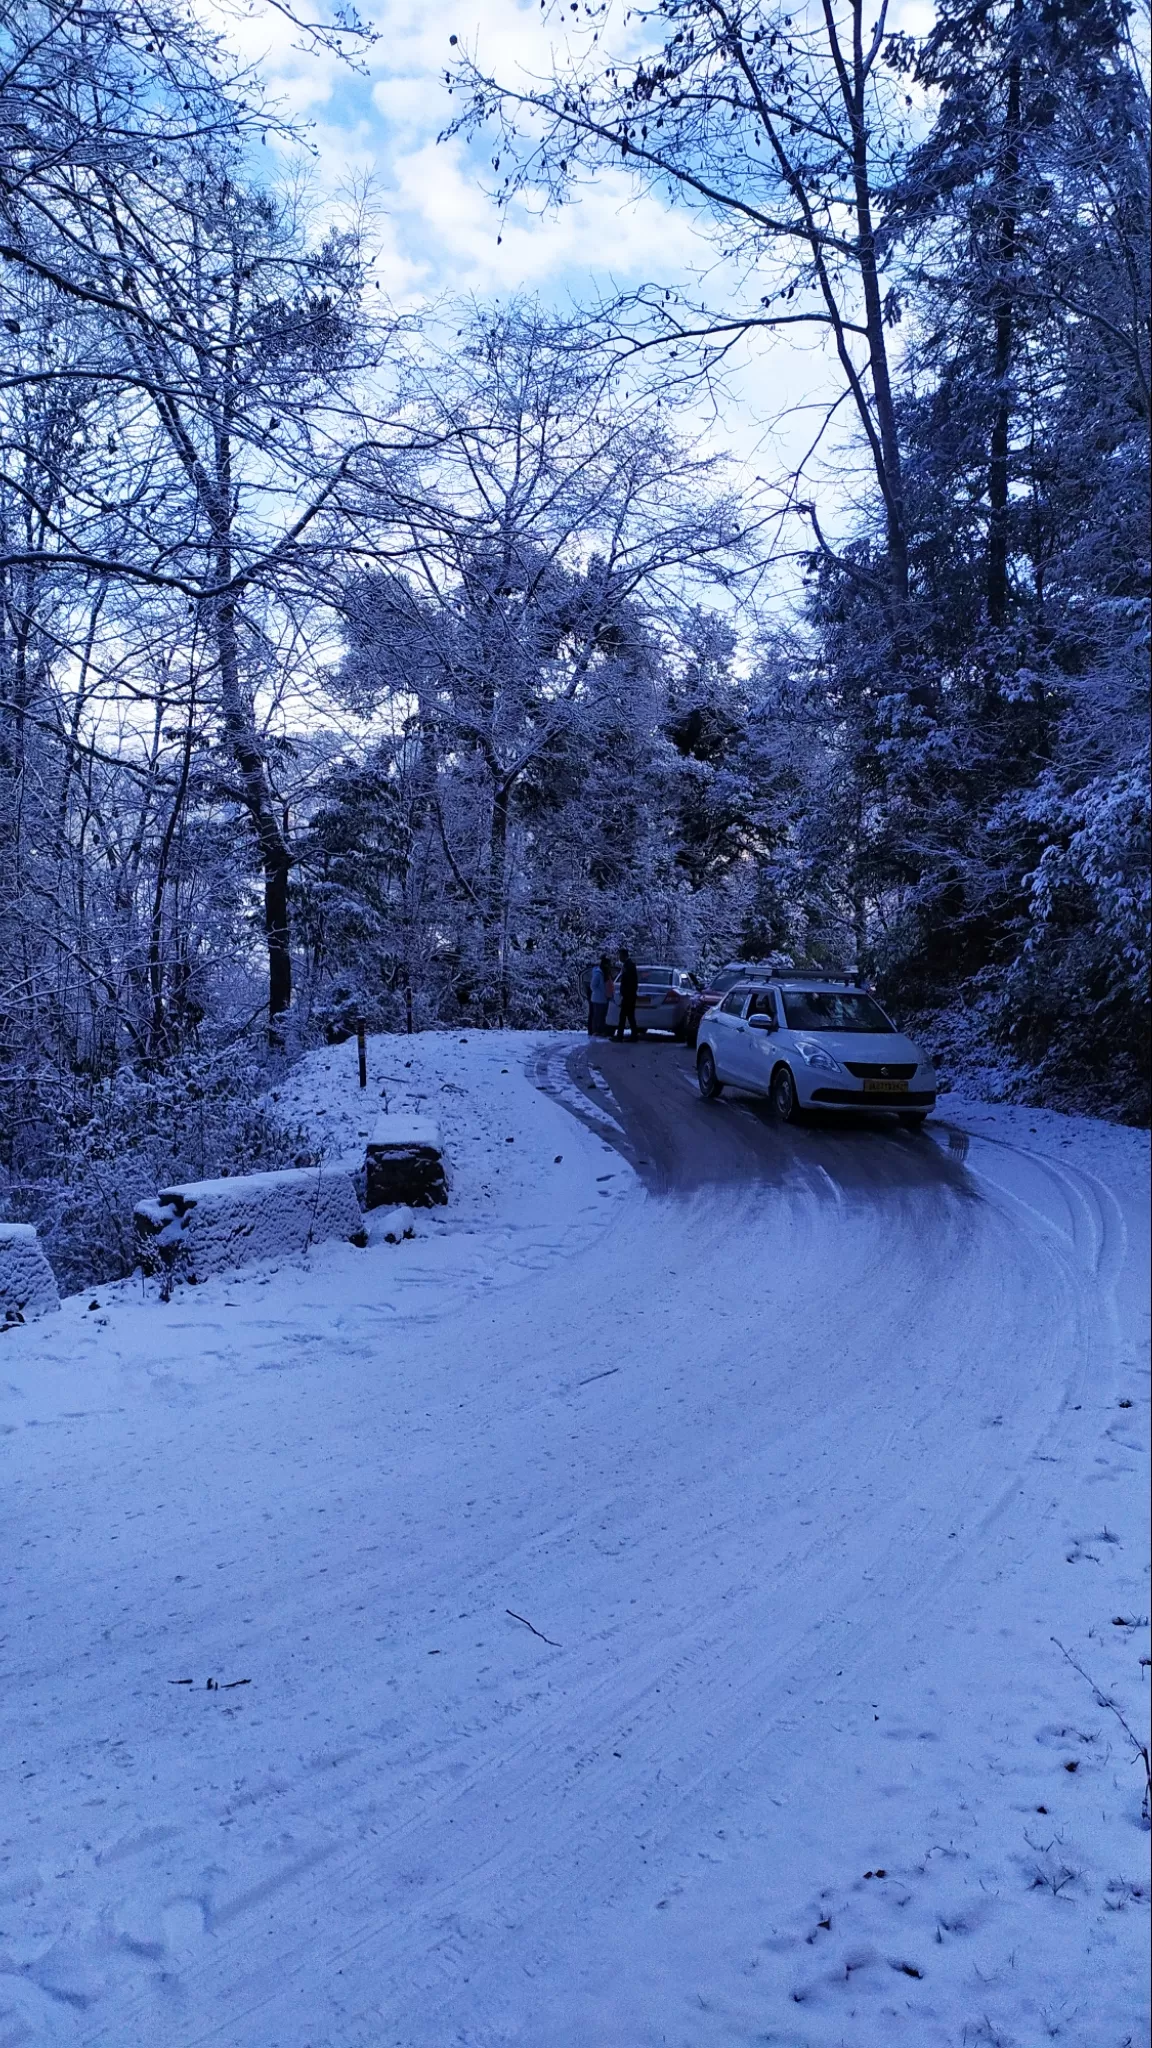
(815, 1056)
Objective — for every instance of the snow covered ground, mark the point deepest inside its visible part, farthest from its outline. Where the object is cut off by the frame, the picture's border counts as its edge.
(598, 1621)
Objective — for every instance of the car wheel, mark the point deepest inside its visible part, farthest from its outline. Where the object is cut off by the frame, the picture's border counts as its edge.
(912, 1119)
(784, 1099)
(710, 1083)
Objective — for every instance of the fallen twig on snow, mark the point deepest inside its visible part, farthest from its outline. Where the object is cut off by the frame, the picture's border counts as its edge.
(1102, 1700)
(535, 1631)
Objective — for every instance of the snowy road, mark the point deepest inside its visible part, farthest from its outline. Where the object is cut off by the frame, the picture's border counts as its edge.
(681, 1143)
(647, 1615)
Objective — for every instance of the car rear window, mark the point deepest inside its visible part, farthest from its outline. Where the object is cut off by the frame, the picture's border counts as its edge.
(833, 1010)
(656, 977)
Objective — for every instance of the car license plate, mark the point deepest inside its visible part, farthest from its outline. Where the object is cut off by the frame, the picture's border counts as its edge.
(885, 1087)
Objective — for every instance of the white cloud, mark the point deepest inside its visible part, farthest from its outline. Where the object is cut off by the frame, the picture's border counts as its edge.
(604, 237)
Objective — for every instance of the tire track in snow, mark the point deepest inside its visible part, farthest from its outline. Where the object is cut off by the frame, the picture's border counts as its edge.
(702, 1645)
(759, 1704)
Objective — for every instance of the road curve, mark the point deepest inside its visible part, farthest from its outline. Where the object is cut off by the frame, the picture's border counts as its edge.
(679, 1143)
(648, 1642)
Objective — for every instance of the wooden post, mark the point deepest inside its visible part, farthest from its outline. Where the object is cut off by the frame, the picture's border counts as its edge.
(362, 1050)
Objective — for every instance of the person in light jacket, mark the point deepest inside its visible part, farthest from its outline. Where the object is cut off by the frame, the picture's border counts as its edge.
(626, 985)
(598, 997)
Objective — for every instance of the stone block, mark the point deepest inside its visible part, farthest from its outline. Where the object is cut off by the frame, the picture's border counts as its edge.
(208, 1226)
(405, 1165)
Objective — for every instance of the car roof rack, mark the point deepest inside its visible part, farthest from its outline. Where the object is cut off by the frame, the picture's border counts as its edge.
(846, 977)
(854, 975)
(798, 970)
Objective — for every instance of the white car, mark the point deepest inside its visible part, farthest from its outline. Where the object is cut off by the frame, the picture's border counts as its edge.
(810, 1041)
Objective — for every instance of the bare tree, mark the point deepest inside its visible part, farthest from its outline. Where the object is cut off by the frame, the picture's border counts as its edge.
(195, 342)
(562, 522)
(780, 131)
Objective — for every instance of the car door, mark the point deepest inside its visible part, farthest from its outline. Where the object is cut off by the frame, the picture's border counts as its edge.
(747, 1059)
(758, 1068)
(728, 1030)
(683, 993)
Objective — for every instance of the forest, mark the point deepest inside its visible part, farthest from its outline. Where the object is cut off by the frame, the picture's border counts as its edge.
(369, 662)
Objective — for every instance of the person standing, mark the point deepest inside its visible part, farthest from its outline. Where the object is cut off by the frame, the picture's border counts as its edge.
(613, 1014)
(598, 997)
(627, 983)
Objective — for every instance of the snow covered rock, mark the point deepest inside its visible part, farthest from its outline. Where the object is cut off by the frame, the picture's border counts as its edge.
(392, 1227)
(27, 1283)
(405, 1164)
(208, 1226)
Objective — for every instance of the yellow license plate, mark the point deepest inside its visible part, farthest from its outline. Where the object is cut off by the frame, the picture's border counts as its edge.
(885, 1087)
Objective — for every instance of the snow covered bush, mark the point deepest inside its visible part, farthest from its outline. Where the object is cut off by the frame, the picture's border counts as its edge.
(1075, 1002)
(27, 1284)
(85, 1154)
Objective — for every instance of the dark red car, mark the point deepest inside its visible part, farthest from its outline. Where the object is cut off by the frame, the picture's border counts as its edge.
(719, 984)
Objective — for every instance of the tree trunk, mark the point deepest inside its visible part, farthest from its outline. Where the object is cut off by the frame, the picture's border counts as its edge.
(494, 914)
(890, 477)
(160, 1034)
(275, 860)
(996, 586)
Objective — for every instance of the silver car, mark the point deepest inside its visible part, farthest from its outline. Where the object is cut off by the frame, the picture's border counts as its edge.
(664, 1000)
(813, 1042)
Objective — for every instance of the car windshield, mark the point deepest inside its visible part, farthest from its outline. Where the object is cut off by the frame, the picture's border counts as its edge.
(833, 1010)
(721, 983)
(656, 977)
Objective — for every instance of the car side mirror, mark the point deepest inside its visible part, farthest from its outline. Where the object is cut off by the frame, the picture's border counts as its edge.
(762, 1023)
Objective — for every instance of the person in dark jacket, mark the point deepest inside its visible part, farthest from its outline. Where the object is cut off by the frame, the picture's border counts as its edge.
(626, 983)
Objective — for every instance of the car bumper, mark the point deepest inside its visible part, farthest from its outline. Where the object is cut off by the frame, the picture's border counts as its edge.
(660, 1016)
(855, 1098)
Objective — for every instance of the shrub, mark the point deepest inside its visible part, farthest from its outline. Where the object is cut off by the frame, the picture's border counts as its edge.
(86, 1153)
